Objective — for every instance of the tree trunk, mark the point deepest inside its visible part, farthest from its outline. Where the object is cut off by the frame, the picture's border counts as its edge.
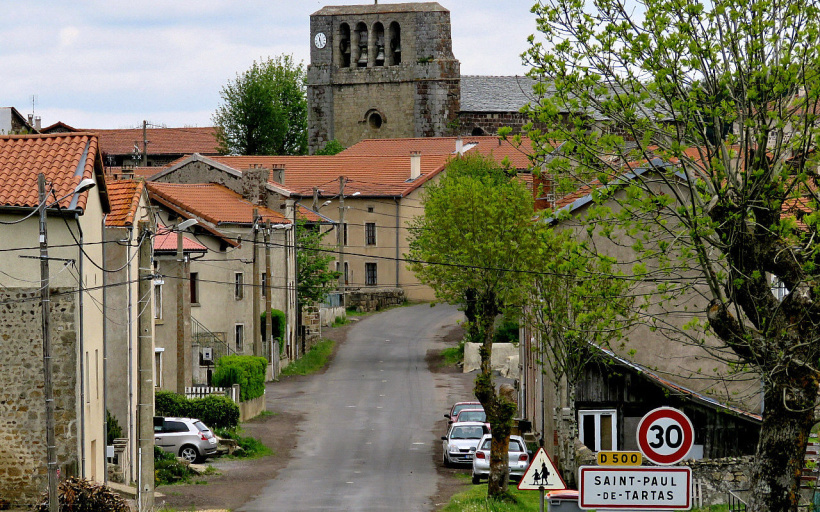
(498, 407)
(787, 419)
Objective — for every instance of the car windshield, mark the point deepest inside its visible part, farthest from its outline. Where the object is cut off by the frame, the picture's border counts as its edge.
(459, 407)
(472, 416)
(515, 446)
(467, 433)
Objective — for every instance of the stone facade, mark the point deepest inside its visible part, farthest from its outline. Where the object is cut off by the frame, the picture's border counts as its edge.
(714, 478)
(367, 300)
(381, 71)
(23, 473)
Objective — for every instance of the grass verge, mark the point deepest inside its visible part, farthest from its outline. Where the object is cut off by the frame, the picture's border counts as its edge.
(314, 360)
(475, 500)
(252, 448)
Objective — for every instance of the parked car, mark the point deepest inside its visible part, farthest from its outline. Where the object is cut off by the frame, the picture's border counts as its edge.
(188, 438)
(471, 415)
(519, 459)
(461, 441)
(458, 406)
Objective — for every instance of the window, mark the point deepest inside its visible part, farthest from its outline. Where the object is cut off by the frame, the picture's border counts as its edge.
(158, 298)
(264, 285)
(370, 274)
(347, 271)
(194, 283)
(598, 429)
(239, 285)
(158, 367)
(370, 209)
(370, 233)
(345, 234)
(239, 336)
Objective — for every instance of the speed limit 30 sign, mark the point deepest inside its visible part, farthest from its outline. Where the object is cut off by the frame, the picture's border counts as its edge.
(665, 436)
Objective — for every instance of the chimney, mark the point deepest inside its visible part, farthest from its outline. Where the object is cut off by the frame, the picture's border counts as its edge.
(253, 184)
(278, 173)
(543, 191)
(38, 123)
(415, 164)
(459, 146)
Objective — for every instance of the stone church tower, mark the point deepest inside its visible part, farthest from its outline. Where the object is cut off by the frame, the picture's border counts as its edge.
(381, 71)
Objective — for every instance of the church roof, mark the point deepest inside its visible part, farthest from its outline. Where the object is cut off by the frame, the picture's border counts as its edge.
(332, 10)
(495, 93)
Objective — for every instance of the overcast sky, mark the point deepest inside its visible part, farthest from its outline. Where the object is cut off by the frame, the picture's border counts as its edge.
(113, 63)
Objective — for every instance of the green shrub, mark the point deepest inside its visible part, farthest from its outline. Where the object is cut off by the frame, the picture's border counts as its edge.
(80, 495)
(112, 427)
(247, 371)
(167, 469)
(507, 332)
(215, 411)
(252, 448)
(279, 323)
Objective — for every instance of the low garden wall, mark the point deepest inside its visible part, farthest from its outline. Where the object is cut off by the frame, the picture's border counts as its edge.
(252, 408)
(713, 478)
(504, 359)
(366, 300)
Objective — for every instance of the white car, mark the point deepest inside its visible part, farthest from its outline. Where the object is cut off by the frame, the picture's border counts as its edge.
(461, 441)
(519, 458)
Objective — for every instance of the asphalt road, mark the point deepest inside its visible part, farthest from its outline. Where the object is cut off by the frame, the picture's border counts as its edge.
(367, 441)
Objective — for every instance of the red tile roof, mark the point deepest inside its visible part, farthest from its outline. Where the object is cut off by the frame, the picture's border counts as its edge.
(161, 141)
(65, 159)
(124, 196)
(519, 157)
(368, 175)
(166, 241)
(213, 203)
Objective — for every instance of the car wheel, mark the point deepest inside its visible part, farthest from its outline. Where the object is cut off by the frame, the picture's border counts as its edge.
(445, 460)
(476, 479)
(189, 453)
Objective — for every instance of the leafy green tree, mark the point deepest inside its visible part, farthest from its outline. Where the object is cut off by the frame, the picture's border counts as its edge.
(477, 238)
(578, 306)
(708, 213)
(264, 111)
(333, 147)
(314, 277)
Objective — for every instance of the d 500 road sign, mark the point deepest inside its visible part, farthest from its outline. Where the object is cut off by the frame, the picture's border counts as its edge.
(643, 488)
(665, 436)
(619, 458)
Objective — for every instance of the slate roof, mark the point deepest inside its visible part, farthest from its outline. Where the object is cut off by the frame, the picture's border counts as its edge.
(495, 93)
(65, 159)
(333, 10)
(519, 157)
(213, 202)
(161, 141)
(370, 176)
(124, 196)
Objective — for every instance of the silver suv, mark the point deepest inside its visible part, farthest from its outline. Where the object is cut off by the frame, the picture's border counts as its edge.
(188, 438)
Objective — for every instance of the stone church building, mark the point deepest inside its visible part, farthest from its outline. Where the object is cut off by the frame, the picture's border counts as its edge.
(388, 71)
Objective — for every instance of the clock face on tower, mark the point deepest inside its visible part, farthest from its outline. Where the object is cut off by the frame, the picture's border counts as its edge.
(320, 40)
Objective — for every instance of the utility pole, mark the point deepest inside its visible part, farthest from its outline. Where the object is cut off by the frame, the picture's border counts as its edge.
(340, 240)
(45, 304)
(181, 360)
(269, 301)
(145, 370)
(145, 143)
(257, 328)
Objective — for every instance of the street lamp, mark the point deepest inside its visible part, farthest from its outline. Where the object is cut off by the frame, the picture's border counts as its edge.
(45, 304)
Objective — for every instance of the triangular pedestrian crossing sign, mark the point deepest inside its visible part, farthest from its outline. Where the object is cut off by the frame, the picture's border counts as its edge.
(541, 475)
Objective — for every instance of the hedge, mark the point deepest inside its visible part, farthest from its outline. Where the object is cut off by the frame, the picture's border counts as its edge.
(278, 321)
(214, 410)
(247, 371)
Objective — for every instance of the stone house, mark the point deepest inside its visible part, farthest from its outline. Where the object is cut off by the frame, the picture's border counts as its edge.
(129, 206)
(222, 295)
(648, 369)
(74, 228)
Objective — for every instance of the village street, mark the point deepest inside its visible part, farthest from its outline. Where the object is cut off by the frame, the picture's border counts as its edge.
(363, 435)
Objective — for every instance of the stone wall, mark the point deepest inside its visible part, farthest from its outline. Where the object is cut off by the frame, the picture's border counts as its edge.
(23, 473)
(367, 300)
(504, 359)
(714, 478)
